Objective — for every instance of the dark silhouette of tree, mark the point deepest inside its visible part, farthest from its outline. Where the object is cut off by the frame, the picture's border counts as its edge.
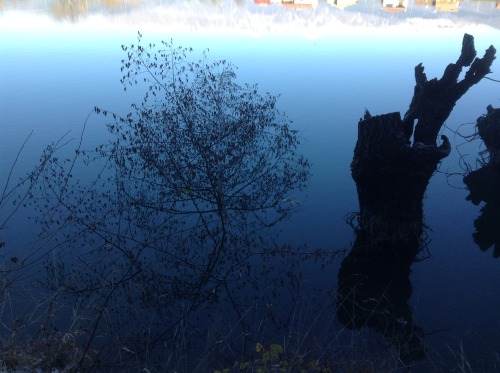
(484, 184)
(390, 172)
(391, 176)
(174, 216)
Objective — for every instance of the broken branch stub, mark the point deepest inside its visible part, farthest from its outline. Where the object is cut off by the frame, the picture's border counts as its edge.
(433, 100)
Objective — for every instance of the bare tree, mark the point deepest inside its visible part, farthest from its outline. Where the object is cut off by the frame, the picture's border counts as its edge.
(175, 214)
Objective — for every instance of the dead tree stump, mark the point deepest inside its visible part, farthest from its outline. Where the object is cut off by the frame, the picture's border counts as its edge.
(392, 173)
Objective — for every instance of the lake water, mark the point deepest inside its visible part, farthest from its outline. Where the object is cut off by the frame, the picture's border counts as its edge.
(328, 62)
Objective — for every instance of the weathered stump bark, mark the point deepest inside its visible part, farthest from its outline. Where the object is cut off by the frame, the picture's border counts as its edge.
(391, 177)
(484, 184)
(391, 174)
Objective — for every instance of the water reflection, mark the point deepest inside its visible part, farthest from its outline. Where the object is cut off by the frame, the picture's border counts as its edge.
(393, 162)
(328, 122)
(269, 13)
(484, 184)
(391, 6)
(374, 291)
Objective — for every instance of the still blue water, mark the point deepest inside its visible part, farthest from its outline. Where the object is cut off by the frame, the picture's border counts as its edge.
(53, 72)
